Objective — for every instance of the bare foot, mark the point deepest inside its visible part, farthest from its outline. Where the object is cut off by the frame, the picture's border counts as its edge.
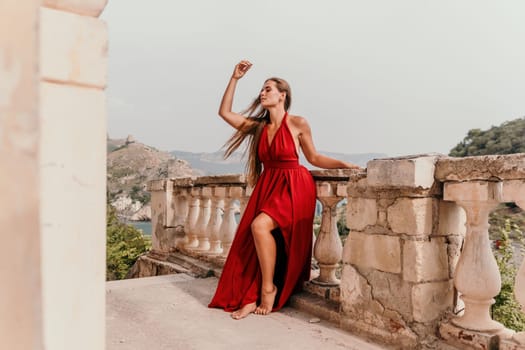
(244, 311)
(267, 300)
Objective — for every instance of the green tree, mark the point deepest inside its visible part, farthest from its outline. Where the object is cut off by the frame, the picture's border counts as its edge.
(124, 244)
(507, 138)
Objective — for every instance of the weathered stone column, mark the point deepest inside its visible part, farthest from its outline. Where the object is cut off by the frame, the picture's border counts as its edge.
(181, 207)
(169, 208)
(219, 193)
(161, 197)
(477, 276)
(180, 202)
(193, 215)
(328, 247)
(203, 234)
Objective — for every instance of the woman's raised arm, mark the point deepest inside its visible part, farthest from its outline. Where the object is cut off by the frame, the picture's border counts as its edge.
(225, 110)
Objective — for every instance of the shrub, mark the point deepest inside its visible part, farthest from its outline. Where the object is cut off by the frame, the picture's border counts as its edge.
(124, 244)
(506, 309)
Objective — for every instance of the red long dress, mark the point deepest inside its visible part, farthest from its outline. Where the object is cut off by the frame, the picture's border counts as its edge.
(286, 192)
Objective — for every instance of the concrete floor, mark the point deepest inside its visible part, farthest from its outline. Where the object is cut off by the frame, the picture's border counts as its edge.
(170, 312)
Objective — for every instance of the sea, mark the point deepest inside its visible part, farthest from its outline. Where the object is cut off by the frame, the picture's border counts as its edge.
(144, 226)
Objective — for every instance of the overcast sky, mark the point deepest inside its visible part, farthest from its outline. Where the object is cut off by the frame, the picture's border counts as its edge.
(397, 77)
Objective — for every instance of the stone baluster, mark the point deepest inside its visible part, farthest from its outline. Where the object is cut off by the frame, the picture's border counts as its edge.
(477, 276)
(243, 200)
(229, 225)
(204, 219)
(180, 206)
(193, 215)
(328, 248)
(219, 193)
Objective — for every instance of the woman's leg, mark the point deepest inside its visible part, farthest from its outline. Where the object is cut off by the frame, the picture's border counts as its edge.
(266, 249)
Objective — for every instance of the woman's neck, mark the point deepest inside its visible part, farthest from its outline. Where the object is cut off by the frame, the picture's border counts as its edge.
(276, 114)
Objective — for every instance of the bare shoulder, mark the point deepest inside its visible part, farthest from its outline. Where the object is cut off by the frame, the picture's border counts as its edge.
(298, 122)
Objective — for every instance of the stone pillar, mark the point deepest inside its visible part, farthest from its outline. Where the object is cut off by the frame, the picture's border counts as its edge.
(395, 281)
(203, 233)
(328, 247)
(21, 314)
(219, 193)
(169, 210)
(161, 193)
(73, 62)
(477, 276)
(72, 151)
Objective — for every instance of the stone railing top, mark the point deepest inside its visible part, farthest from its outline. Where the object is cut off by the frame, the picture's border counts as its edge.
(488, 168)
(416, 171)
(231, 179)
(421, 173)
(337, 174)
(91, 8)
(183, 181)
(157, 185)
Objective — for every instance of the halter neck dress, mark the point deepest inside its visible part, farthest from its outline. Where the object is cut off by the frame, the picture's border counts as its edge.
(286, 192)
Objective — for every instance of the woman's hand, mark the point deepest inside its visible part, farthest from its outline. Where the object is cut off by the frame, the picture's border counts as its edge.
(353, 166)
(240, 69)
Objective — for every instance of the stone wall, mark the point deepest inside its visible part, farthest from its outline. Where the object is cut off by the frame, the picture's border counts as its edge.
(398, 259)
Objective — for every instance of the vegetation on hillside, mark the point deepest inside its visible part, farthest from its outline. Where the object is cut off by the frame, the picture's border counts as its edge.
(506, 309)
(124, 244)
(507, 221)
(130, 166)
(504, 139)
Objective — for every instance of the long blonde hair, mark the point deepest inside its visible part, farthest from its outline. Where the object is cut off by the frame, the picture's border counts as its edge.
(256, 118)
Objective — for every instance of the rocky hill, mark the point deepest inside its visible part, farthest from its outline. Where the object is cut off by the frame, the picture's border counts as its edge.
(130, 165)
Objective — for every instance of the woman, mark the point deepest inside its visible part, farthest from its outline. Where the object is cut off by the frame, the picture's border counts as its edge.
(270, 255)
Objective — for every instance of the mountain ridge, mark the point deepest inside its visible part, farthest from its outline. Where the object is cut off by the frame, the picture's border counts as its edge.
(213, 163)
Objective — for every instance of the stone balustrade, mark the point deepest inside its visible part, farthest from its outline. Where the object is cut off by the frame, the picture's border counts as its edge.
(478, 185)
(417, 265)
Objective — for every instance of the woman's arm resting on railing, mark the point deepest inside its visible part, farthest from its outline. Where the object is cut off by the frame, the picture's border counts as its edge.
(307, 145)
